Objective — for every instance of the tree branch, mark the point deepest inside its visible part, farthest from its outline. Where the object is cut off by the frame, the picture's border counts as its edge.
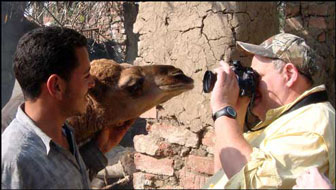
(52, 15)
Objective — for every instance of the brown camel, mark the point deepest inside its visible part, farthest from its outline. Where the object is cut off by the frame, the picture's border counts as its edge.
(123, 92)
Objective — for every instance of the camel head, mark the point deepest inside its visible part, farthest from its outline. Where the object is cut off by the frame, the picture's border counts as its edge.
(122, 92)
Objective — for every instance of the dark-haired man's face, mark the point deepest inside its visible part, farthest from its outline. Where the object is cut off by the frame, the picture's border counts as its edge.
(81, 81)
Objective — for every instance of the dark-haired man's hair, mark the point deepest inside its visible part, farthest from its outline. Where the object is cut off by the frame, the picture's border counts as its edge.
(45, 51)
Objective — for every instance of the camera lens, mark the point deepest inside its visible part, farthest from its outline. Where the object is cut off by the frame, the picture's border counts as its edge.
(209, 80)
(248, 79)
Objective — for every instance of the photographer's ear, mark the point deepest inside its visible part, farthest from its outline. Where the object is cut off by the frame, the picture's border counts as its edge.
(56, 86)
(291, 74)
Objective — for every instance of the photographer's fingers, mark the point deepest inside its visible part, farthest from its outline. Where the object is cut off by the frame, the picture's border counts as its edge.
(223, 63)
(224, 90)
(230, 78)
(224, 74)
(226, 67)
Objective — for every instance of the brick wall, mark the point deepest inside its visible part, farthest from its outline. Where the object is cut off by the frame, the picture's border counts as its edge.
(315, 21)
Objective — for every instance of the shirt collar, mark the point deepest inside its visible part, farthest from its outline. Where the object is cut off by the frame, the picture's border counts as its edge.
(30, 124)
(273, 114)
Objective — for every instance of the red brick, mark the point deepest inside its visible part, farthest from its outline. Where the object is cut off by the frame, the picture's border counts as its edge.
(152, 165)
(318, 10)
(317, 22)
(292, 9)
(200, 164)
(165, 149)
(209, 138)
(322, 37)
(331, 23)
(190, 180)
(170, 187)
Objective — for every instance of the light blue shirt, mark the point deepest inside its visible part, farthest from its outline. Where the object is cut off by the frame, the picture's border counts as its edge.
(30, 159)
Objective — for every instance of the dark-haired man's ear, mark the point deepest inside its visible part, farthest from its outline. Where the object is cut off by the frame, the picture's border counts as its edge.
(291, 74)
(56, 86)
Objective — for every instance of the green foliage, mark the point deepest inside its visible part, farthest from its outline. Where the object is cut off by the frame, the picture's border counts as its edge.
(281, 5)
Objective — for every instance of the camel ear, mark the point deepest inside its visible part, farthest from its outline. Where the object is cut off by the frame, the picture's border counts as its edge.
(98, 91)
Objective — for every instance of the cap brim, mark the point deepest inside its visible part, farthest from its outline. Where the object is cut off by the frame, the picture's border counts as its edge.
(256, 49)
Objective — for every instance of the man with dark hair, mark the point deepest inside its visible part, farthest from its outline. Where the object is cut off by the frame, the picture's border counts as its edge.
(297, 128)
(38, 148)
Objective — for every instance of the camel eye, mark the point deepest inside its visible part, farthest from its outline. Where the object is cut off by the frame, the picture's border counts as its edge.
(136, 87)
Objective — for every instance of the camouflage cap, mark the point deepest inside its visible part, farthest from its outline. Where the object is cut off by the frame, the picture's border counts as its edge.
(289, 48)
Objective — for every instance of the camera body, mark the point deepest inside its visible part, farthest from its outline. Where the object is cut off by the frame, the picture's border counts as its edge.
(248, 79)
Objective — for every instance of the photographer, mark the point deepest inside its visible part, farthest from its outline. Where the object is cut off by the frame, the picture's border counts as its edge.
(297, 122)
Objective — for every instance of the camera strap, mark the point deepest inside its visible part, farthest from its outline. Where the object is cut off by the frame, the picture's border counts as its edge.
(313, 98)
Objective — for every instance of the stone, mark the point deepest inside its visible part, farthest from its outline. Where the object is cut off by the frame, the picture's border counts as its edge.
(195, 125)
(173, 134)
(199, 151)
(158, 183)
(147, 144)
(140, 180)
(184, 151)
(178, 164)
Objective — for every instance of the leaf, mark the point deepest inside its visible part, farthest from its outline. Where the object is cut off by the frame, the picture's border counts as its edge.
(81, 18)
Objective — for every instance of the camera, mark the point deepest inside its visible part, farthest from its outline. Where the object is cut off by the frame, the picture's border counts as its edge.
(248, 79)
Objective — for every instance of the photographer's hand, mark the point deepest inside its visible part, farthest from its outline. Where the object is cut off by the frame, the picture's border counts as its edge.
(232, 151)
(226, 93)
